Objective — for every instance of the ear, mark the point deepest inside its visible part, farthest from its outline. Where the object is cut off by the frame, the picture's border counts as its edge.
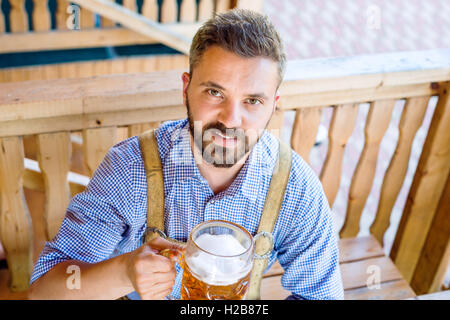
(186, 78)
(277, 98)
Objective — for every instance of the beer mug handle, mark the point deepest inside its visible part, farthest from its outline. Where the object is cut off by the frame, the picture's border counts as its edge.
(269, 237)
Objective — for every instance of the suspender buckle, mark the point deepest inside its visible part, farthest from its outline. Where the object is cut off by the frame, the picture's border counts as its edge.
(268, 246)
(151, 230)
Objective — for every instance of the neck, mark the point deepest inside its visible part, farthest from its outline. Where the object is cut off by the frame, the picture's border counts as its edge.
(218, 178)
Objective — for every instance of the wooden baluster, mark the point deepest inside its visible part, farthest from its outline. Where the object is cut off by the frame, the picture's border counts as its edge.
(105, 22)
(130, 4)
(304, 131)
(54, 155)
(96, 143)
(18, 21)
(434, 259)
(87, 19)
(205, 10)
(15, 223)
(188, 11)
(410, 122)
(426, 189)
(61, 14)
(169, 11)
(222, 6)
(2, 21)
(41, 16)
(150, 9)
(376, 125)
(341, 128)
(136, 129)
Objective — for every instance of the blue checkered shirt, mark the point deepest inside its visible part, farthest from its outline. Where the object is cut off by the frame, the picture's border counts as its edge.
(109, 218)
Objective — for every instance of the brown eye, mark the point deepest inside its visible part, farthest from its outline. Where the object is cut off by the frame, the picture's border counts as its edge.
(253, 101)
(214, 93)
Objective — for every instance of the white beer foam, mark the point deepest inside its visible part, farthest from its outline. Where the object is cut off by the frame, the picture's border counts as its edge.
(219, 270)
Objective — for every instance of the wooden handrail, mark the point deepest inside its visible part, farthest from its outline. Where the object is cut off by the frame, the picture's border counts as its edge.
(99, 101)
(137, 23)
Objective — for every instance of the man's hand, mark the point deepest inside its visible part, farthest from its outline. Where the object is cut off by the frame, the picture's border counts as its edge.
(152, 274)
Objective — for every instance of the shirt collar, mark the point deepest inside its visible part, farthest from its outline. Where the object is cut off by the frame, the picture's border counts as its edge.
(260, 162)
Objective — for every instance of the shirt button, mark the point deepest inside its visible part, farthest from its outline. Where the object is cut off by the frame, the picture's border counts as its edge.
(212, 201)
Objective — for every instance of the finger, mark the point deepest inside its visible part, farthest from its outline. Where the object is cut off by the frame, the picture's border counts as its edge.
(148, 280)
(159, 243)
(156, 292)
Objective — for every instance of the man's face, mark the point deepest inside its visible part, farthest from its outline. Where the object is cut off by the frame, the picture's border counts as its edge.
(230, 100)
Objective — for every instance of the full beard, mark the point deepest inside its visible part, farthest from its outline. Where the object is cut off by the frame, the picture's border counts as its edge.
(217, 155)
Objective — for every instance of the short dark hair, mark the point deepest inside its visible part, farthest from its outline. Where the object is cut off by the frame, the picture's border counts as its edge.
(243, 32)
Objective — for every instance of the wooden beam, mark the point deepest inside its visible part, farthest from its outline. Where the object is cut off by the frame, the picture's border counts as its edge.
(426, 189)
(84, 38)
(137, 23)
(434, 258)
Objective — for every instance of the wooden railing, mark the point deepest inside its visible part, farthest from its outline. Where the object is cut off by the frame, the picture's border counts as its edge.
(93, 29)
(68, 125)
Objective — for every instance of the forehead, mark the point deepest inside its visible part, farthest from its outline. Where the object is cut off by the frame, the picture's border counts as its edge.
(233, 71)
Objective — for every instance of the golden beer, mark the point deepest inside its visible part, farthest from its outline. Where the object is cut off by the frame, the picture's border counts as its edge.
(217, 262)
(195, 289)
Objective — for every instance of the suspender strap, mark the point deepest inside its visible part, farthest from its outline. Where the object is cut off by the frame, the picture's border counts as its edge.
(272, 206)
(155, 184)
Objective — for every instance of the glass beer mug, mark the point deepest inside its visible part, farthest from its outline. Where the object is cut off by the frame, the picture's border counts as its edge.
(217, 262)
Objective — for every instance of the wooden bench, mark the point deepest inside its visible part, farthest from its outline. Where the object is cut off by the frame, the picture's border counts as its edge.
(356, 256)
(68, 125)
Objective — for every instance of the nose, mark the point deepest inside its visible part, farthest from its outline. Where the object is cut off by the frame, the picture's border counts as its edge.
(230, 115)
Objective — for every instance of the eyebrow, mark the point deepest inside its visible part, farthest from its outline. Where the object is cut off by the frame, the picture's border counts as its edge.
(218, 86)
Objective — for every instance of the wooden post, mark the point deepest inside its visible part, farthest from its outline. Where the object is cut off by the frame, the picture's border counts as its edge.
(17, 16)
(434, 258)
(15, 223)
(426, 189)
(255, 5)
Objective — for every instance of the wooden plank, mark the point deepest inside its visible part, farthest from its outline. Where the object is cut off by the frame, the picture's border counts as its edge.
(150, 9)
(426, 189)
(434, 259)
(84, 38)
(138, 23)
(412, 117)
(105, 22)
(15, 223)
(356, 274)
(355, 95)
(222, 6)
(136, 129)
(87, 19)
(53, 157)
(376, 125)
(391, 290)
(18, 21)
(271, 289)
(360, 248)
(2, 23)
(341, 128)
(188, 11)
(16, 97)
(205, 10)
(41, 15)
(96, 120)
(169, 11)
(304, 131)
(96, 143)
(130, 4)
(61, 14)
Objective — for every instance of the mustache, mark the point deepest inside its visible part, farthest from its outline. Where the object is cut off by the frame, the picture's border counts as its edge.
(224, 130)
